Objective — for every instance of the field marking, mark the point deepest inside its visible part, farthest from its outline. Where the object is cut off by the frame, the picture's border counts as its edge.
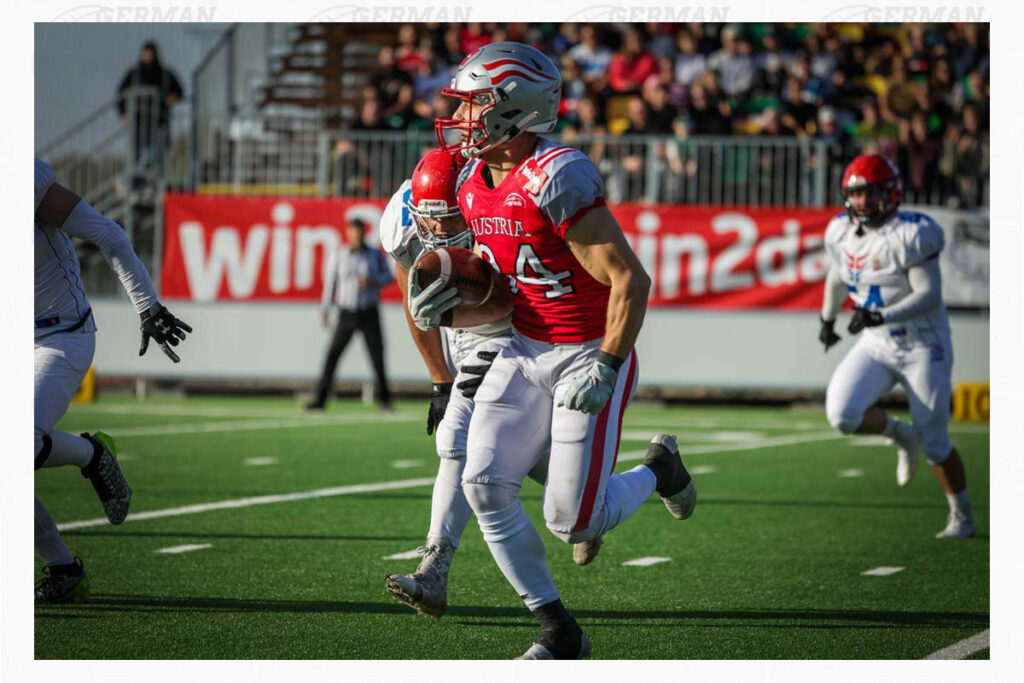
(702, 469)
(645, 561)
(769, 442)
(964, 648)
(254, 500)
(406, 555)
(727, 423)
(261, 461)
(254, 425)
(187, 548)
(872, 440)
(406, 464)
(851, 473)
(883, 571)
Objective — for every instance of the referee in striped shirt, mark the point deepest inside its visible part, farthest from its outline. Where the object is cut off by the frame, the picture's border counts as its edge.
(355, 275)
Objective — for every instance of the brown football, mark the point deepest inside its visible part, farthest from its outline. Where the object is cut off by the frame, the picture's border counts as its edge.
(484, 292)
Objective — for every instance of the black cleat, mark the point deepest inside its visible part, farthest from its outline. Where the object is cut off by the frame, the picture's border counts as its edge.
(106, 478)
(675, 486)
(63, 583)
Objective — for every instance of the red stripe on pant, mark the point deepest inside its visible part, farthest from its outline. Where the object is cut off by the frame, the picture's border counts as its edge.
(597, 454)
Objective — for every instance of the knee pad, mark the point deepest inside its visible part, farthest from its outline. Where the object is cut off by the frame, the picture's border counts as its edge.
(843, 420)
(498, 511)
(451, 443)
(44, 444)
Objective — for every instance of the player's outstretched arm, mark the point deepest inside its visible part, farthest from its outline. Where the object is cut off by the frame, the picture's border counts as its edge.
(64, 209)
(599, 245)
(429, 344)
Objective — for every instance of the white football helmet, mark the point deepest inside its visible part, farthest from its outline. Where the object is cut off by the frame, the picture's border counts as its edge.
(511, 88)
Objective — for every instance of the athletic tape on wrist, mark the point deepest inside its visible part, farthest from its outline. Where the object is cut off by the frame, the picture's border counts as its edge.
(614, 362)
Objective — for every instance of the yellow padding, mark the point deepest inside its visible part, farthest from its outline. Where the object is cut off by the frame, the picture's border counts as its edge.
(970, 402)
(87, 391)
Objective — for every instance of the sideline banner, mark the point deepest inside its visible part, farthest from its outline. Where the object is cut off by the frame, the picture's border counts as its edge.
(275, 249)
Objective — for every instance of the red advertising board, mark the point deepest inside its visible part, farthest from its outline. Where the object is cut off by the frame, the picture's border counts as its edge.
(272, 249)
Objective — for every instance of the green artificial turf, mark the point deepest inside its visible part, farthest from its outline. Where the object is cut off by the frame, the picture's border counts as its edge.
(769, 567)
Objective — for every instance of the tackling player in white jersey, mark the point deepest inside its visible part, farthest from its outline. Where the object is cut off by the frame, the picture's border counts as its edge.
(64, 343)
(424, 215)
(887, 262)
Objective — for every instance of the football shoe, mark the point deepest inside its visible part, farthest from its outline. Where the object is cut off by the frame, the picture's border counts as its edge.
(960, 524)
(426, 589)
(585, 551)
(63, 583)
(677, 490)
(106, 478)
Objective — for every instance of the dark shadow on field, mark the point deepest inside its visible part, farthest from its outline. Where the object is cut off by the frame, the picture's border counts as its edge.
(783, 618)
(736, 502)
(267, 537)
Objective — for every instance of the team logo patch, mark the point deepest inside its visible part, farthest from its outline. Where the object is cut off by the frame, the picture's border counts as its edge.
(469, 199)
(514, 199)
(535, 177)
(855, 264)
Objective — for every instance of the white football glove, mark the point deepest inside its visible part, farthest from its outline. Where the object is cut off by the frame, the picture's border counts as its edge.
(589, 392)
(426, 307)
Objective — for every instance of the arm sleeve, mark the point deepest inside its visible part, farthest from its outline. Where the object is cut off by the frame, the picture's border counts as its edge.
(571, 192)
(925, 295)
(331, 281)
(88, 224)
(835, 294)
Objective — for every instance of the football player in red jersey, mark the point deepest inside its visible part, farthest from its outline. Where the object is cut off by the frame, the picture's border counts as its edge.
(537, 212)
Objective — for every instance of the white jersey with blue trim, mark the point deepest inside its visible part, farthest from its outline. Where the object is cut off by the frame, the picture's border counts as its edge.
(60, 301)
(400, 240)
(873, 265)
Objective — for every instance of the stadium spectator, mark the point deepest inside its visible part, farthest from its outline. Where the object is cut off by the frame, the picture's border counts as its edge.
(660, 114)
(394, 88)
(689, 62)
(355, 275)
(472, 37)
(733, 63)
(631, 65)
(145, 95)
(592, 57)
(919, 153)
(408, 56)
(709, 116)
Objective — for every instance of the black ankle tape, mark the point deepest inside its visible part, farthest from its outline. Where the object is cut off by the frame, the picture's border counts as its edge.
(44, 452)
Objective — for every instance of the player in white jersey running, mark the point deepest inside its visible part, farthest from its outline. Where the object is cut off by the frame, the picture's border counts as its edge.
(424, 215)
(64, 343)
(887, 262)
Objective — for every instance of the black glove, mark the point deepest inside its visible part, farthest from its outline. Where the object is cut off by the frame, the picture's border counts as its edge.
(468, 387)
(828, 335)
(862, 318)
(159, 324)
(439, 395)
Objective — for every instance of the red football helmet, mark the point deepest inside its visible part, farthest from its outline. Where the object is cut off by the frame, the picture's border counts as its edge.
(434, 203)
(880, 180)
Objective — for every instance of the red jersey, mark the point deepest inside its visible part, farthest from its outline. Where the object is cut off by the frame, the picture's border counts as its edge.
(520, 227)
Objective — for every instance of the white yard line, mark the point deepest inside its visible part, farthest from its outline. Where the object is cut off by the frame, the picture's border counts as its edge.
(702, 469)
(255, 500)
(883, 571)
(187, 548)
(261, 461)
(252, 425)
(645, 561)
(406, 464)
(406, 555)
(851, 473)
(770, 442)
(963, 649)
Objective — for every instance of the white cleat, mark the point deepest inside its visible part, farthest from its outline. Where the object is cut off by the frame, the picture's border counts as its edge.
(538, 651)
(585, 552)
(908, 447)
(426, 589)
(959, 525)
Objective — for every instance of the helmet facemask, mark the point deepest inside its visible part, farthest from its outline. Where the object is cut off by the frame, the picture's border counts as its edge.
(437, 210)
(880, 202)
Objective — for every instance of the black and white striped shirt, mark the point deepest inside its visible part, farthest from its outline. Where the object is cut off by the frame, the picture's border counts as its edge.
(346, 267)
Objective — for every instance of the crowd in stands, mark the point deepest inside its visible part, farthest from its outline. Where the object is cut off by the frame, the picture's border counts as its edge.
(918, 93)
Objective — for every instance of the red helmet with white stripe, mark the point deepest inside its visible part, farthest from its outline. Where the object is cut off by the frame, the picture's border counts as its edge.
(879, 179)
(434, 202)
(504, 89)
